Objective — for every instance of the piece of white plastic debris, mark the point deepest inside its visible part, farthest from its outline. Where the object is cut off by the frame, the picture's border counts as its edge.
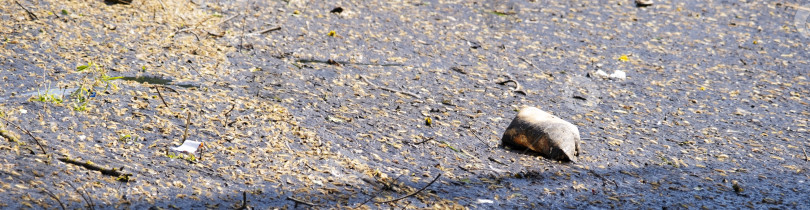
(618, 74)
(189, 147)
(23, 111)
(601, 73)
(82, 137)
(485, 201)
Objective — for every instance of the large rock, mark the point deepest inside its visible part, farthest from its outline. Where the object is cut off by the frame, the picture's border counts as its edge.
(544, 133)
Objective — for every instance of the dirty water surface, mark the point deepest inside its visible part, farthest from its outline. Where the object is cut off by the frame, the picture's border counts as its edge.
(343, 104)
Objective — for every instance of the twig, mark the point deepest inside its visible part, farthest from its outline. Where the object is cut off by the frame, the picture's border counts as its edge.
(29, 134)
(479, 138)
(496, 161)
(49, 193)
(265, 31)
(157, 88)
(385, 186)
(242, 37)
(89, 165)
(530, 63)
(226, 19)
(30, 14)
(412, 194)
(390, 90)
(227, 116)
(518, 88)
(797, 7)
(805, 154)
(244, 202)
(186, 29)
(298, 200)
(603, 178)
(188, 121)
(84, 195)
(421, 142)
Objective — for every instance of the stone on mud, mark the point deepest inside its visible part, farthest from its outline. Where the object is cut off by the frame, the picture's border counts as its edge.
(544, 133)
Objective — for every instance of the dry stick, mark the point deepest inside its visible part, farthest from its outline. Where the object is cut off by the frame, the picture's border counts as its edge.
(157, 88)
(220, 23)
(29, 134)
(244, 202)
(421, 142)
(797, 7)
(805, 154)
(226, 19)
(414, 193)
(227, 116)
(30, 14)
(530, 63)
(94, 167)
(84, 195)
(188, 121)
(603, 178)
(297, 200)
(378, 191)
(390, 90)
(479, 138)
(49, 193)
(265, 31)
(242, 37)
(190, 28)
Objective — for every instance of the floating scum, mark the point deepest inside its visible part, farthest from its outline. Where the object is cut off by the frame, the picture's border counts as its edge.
(545, 133)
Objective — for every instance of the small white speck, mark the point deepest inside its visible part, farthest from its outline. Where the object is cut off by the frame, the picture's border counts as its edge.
(23, 111)
(82, 137)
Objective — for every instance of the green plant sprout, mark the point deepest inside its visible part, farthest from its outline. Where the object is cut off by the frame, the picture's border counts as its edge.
(181, 156)
(81, 97)
(47, 97)
(126, 138)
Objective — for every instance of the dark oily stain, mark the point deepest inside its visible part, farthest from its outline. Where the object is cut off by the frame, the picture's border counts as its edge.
(156, 81)
(337, 10)
(339, 63)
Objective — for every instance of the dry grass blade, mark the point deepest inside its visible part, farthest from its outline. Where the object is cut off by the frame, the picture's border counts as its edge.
(84, 195)
(29, 134)
(30, 14)
(386, 186)
(412, 194)
(50, 194)
(157, 88)
(389, 89)
(298, 200)
(265, 31)
(185, 132)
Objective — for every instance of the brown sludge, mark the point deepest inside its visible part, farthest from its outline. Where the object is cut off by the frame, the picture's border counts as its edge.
(542, 132)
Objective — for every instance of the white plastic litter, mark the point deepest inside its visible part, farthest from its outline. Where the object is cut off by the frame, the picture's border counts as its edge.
(618, 74)
(602, 74)
(485, 201)
(189, 147)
